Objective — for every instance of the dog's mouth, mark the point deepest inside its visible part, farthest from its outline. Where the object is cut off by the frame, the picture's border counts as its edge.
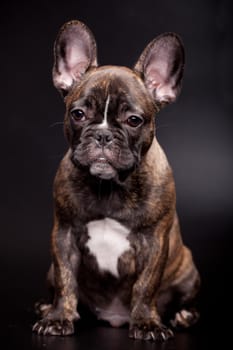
(102, 168)
(107, 163)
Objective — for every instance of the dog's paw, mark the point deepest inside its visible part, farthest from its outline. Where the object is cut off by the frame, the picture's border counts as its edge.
(184, 319)
(53, 327)
(155, 333)
(42, 308)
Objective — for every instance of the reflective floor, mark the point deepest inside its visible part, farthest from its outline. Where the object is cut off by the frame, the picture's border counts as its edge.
(90, 336)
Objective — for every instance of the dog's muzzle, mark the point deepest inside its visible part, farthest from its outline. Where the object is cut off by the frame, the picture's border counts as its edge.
(104, 152)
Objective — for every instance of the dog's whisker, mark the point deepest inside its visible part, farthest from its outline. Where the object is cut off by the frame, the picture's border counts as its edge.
(56, 124)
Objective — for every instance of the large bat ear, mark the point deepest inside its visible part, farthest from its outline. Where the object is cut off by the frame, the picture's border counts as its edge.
(161, 66)
(74, 53)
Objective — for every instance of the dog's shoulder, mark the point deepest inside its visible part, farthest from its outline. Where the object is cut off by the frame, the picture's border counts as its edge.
(157, 159)
(65, 168)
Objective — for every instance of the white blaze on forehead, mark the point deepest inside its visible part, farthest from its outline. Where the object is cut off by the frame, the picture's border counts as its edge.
(107, 242)
(104, 123)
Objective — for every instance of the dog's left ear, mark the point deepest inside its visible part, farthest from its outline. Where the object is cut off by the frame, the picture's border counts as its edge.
(161, 66)
(74, 53)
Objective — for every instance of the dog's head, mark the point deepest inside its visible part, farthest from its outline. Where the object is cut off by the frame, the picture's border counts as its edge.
(110, 110)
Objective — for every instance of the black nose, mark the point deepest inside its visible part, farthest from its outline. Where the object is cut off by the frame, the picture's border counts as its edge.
(103, 137)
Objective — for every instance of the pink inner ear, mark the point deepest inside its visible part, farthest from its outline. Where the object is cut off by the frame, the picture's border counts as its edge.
(78, 70)
(155, 75)
(73, 67)
(153, 78)
(75, 54)
(157, 70)
(158, 84)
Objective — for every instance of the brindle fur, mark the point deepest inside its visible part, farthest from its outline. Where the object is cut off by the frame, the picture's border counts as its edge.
(158, 269)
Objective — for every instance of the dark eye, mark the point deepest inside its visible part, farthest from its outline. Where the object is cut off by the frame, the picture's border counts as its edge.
(78, 115)
(134, 121)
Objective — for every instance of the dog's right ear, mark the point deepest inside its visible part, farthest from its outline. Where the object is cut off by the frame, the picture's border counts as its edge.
(74, 53)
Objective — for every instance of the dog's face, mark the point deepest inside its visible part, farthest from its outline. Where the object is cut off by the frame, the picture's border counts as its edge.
(109, 120)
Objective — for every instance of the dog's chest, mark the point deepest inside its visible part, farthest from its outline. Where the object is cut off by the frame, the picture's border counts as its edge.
(107, 243)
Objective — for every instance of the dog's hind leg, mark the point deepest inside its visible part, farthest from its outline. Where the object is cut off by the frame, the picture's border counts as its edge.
(186, 288)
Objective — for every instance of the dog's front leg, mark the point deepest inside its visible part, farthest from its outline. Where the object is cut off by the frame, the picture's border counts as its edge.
(145, 321)
(59, 316)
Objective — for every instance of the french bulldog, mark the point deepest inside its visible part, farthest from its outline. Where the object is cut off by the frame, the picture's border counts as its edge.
(116, 242)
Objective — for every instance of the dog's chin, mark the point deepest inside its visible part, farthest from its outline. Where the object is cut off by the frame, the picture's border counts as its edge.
(102, 169)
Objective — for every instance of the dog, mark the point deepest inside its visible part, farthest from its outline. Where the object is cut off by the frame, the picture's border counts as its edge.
(116, 242)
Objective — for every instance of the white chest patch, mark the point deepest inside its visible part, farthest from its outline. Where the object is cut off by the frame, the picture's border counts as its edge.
(107, 242)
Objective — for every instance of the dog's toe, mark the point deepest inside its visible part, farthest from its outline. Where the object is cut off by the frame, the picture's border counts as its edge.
(53, 327)
(157, 333)
(185, 318)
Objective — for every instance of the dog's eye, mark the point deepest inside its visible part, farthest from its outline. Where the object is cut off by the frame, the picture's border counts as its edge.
(78, 115)
(134, 121)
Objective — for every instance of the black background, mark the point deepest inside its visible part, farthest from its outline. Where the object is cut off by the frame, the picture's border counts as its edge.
(196, 133)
